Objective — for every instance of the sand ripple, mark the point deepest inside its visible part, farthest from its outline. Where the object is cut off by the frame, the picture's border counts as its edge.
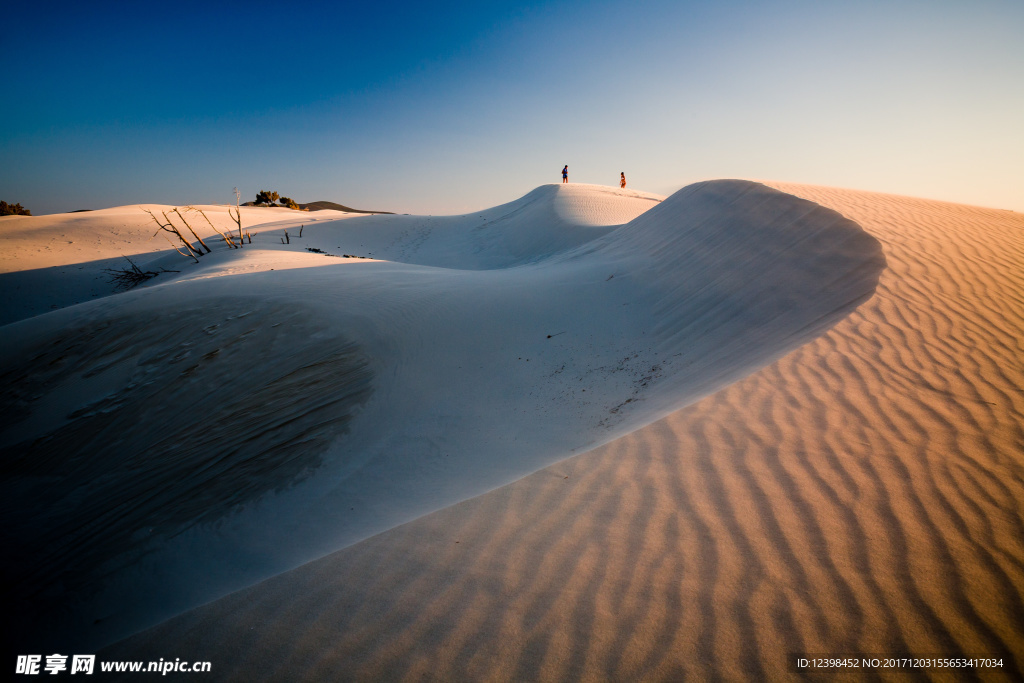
(862, 494)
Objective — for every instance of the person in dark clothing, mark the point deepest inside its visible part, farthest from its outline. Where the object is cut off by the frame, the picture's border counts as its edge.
(565, 174)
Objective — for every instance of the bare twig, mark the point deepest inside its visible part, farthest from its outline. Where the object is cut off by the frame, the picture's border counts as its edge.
(238, 215)
(194, 234)
(126, 278)
(175, 247)
(177, 232)
(227, 239)
(170, 227)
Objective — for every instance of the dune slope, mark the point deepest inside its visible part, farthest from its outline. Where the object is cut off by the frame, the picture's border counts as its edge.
(54, 261)
(179, 441)
(861, 494)
(546, 221)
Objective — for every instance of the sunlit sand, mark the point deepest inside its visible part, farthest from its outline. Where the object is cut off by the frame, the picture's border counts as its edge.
(590, 434)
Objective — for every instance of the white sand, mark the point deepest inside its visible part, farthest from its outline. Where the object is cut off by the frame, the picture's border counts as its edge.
(553, 577)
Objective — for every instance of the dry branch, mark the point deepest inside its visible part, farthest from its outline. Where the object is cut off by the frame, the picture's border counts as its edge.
(127, 278)
(194, 234)
(175, 247)
(170, 227)
(227, 238)
(177, 232)
(238, 215)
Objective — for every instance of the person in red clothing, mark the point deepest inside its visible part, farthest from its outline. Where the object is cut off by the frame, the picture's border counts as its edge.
(622, 180)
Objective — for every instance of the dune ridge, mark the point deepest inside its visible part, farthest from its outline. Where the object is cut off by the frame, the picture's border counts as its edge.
(861, 494)
(546, 221)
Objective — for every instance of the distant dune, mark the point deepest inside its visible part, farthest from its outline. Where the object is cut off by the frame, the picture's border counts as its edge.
(57, 260)
(333, 206)
(326, 206)
(590, 434)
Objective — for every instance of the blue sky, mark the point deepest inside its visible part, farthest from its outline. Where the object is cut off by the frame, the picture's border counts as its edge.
(455, 106)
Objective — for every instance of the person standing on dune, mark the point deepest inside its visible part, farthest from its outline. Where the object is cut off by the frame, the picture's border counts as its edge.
(565, 174)
(622, 181)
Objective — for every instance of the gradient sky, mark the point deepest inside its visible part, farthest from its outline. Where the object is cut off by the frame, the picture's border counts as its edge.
(454, 106)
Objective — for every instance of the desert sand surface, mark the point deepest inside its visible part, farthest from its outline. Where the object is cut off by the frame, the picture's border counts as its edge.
(802, 433)
(52, 261)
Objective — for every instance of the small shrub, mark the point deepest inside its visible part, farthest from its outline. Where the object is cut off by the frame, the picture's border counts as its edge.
(266, 198)
(13, 210)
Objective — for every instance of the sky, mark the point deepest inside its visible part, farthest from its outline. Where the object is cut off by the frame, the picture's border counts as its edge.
(450, 107)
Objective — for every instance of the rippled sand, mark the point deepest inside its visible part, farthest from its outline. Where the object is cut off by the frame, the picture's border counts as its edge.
(861, 495)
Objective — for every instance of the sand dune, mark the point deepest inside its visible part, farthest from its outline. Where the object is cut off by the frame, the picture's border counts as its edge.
(268, 406)
(548, 220)
(54, 261)
(861, 493)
